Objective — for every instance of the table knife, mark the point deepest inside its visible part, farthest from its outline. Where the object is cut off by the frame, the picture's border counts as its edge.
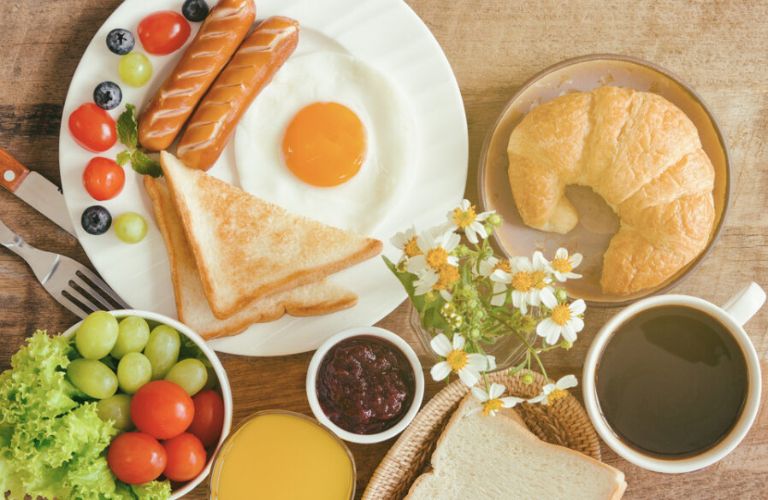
(37, 191)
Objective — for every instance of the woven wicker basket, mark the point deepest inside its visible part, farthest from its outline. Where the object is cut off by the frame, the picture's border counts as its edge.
(563, 422)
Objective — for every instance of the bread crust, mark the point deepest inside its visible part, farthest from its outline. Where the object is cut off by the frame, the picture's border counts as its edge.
(256, 218)
(642, 155)
(316, 299)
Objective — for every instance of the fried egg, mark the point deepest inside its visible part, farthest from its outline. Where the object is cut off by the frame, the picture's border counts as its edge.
(330, 138)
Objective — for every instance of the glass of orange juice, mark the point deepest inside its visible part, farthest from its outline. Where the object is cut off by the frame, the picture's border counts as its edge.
(280, 454)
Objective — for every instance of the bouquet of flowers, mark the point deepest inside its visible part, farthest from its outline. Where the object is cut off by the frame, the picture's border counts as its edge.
(468, 298)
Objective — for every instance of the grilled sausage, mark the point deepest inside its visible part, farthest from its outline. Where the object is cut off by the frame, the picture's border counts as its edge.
(215, 42)
(251, 68)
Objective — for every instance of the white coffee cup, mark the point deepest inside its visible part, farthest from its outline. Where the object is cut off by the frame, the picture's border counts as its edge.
(732, 315)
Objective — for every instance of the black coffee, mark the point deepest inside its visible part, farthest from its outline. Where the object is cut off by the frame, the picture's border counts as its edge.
(672, 381)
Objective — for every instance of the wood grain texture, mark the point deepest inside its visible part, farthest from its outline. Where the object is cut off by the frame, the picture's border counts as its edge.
(717, 47)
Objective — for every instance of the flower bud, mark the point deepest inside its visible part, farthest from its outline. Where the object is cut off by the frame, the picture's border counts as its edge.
(527, 379)
(448, 309)
(494, 220)
(566, 344)
(561, 295)
(474, 333)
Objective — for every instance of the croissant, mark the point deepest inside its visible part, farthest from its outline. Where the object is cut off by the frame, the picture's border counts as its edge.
(642, 155)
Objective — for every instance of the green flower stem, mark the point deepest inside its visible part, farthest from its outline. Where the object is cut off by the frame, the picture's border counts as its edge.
(531, 349)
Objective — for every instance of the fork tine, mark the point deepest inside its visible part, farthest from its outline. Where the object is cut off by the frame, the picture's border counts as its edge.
(85, 290)
(101, 288)
(76, 290)
(74, 305)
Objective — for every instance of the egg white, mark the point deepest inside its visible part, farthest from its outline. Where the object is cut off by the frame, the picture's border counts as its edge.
(361, 203)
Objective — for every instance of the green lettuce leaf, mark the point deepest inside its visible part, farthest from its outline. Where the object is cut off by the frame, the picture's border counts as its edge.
(52, 445)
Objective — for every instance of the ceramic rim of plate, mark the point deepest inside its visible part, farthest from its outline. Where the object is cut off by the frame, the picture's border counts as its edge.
(680, 275)
(222, 448)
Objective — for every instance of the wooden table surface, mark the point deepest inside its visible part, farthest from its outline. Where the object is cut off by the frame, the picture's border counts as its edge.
(718, 47)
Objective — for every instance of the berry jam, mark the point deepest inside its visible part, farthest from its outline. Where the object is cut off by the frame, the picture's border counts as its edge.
(365, 385)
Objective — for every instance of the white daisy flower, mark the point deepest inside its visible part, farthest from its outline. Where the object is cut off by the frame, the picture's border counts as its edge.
(407, 242)
(563, 265)
(552, 392)
(436, 252)
(563, 320)
(529, 280)
(499, 273)
(492, 401)
(466, 365)
(520, 277)
(465, 218)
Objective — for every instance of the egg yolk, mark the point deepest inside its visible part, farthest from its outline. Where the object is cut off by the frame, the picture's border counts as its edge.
(324, 144)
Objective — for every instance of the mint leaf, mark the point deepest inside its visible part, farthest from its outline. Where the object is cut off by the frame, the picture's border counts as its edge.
(127, 127)
(123, 157)
(145, 165)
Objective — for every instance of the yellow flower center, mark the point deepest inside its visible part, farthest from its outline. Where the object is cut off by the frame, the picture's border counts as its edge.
(456, 359)
(464, 218)
(562, 265)
(538, 279)
(447, 276)
(437, 258)
(492, 405)
(555, 395)
(503, 265)
(561, 314)
(411, 248)
(522, 281)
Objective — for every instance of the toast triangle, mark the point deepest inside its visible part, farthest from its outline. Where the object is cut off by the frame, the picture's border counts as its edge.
(247, 248)
(192, 307)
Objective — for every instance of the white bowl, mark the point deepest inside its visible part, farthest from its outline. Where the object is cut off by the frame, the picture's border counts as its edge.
(367, 331)
(221, 374)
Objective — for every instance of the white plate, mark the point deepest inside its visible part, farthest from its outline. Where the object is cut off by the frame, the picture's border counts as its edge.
(384, 33)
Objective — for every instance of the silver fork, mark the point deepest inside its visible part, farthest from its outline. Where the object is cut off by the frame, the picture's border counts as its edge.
(72, 284)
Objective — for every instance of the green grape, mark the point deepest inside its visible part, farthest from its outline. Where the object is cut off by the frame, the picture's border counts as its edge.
(92, 377)
(132, 337)
(130, 227)
(116, 408)
(133, 371)
(162, 350)
(190, 374)
(135, 69)
(97, 335)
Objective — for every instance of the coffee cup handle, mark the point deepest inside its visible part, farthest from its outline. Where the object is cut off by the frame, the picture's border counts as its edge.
(744, 304)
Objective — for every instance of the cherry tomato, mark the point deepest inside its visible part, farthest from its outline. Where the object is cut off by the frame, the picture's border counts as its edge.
(136, 458)
(186, 457)
(162, 409)
(92, 128)
(163, 32)
(209, 417)
(103, 178)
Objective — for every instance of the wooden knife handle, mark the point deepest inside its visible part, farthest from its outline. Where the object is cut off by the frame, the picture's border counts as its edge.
(12, 173)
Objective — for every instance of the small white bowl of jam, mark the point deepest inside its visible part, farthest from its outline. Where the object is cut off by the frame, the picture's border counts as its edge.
(365, 384)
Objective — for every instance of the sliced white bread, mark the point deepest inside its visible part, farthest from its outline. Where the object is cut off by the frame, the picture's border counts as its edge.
(246, 248)
(313, 299)
(497, 457)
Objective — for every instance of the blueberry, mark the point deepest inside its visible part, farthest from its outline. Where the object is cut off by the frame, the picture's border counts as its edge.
(195, 10)
(107, 95)
(96, 220)
(120, 41)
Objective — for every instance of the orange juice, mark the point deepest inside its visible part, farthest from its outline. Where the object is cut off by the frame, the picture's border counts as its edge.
(283, 455)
